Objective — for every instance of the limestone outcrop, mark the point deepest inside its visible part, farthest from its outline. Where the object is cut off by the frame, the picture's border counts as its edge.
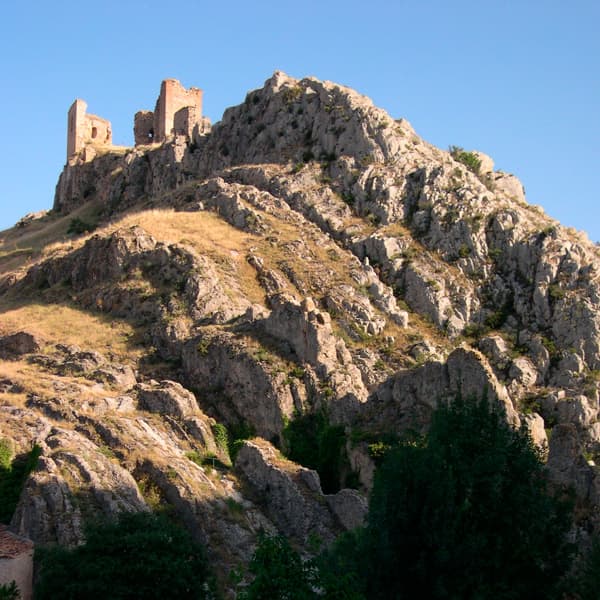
(307, 255)
(410, 397)
(293, 496)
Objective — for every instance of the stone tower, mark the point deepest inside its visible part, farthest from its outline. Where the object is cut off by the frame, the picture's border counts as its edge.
(178, 111)
(84, 129)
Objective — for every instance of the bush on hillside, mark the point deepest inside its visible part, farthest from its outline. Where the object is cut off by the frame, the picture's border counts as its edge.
(139, 555)
(465, 513)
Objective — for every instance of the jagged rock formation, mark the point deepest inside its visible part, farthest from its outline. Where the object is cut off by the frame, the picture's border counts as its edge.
(293, 498)
(309, 253)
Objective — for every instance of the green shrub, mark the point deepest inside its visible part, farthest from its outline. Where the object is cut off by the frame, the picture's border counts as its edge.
(494, 254)
(555, 292)
(78, 226)
(221, 436)
(314, 443)
(473, 330)
(195, 457)
(6, 454)
(238, 432)
(469, 159)
(292, 94)
(9, 591)
(496, 319)
(378, 450)
(139, 555)
(297, 372)
(464, 251)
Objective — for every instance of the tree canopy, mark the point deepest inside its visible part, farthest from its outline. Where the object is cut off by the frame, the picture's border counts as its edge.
(465, 514)
(139, 555)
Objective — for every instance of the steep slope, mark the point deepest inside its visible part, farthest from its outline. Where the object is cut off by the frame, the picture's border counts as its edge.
(309, 253)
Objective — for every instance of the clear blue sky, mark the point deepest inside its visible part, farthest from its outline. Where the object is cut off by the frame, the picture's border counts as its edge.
(519, 80)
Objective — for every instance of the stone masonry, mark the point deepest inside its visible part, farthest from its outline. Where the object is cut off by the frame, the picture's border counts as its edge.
(85, 129)
(178, 111)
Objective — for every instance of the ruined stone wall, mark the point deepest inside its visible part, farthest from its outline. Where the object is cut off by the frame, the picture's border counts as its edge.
(83, 129)
(185, 120)
(143, 127)
(75, 125)
(174, 97)
(178, 112)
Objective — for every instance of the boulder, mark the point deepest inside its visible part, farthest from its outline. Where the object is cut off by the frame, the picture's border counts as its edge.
(167, 398)
(18, 344)
(536, 427)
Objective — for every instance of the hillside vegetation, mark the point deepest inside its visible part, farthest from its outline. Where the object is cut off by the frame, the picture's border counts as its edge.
(305, 283)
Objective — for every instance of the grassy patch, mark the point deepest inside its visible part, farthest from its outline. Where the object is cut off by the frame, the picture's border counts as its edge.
(71, 325)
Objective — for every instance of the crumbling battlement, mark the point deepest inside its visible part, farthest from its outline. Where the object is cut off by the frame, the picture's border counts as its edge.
(83, 129)
(178, 111)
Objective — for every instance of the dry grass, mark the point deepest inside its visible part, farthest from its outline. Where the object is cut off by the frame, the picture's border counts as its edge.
(35, 380)
(70, 325)
(327, 265)
(22, 246)
(207, 234)
(11, 399)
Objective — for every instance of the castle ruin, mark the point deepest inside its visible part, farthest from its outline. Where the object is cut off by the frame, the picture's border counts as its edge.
(178, 112)
(84, 129)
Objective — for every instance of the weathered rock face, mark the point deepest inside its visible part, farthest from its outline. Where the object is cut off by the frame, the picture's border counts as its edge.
(89, 364)
(328, 260)
(410, 397)
(239, 386)
(167, 397)
(293, 496)
(74, 480)
(310, 337)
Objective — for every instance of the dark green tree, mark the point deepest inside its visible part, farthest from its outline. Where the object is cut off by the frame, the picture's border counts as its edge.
(279, 572)
(586, 582)
(314, 443)
(339, 568)
(139, 555)
(465, 514)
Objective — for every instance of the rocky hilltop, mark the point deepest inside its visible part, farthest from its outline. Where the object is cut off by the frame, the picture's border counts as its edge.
(308, 255)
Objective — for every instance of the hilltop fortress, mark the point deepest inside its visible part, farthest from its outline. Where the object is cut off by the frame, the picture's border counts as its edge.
(178, 112)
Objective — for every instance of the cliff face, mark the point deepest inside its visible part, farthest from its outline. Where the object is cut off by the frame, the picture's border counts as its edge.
(309, 253)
